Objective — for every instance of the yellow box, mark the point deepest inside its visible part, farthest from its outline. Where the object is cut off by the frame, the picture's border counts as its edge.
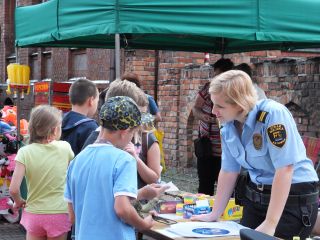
(232, 211)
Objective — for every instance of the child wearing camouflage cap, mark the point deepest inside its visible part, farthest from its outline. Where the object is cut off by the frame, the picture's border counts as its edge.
(102, 179)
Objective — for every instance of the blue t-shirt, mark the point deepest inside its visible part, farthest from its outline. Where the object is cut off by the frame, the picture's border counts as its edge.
(95, 177)
(5, 127)
(269, 140)
(153, 108)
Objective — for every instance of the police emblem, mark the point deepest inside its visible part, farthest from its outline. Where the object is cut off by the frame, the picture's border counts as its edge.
(257, 141)
(277, 135)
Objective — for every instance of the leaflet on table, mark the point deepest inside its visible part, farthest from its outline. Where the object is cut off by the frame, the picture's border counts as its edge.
(206, 229)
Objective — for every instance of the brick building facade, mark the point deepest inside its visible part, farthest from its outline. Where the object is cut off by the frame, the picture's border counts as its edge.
(174, 79)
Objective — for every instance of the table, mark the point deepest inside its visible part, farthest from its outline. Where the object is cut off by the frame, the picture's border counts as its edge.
(156, 233)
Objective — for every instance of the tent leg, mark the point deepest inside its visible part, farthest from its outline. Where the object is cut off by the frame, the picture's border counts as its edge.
(18, 103)
(117, 55)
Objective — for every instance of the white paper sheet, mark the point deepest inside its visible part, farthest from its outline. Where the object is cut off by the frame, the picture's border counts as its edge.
(206, 229)
(172, 187)
(171, 216)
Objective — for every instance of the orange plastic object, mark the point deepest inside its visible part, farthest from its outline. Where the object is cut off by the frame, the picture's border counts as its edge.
(9, 115)
(24, 126)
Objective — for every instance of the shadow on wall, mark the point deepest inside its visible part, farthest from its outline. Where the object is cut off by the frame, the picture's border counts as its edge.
(302, 119)
(192, 134)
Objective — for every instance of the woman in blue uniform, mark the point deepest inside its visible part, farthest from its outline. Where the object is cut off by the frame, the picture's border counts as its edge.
(280, 195)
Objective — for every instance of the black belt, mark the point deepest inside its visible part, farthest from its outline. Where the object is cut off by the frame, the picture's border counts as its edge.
(264, 199)
(295, 187)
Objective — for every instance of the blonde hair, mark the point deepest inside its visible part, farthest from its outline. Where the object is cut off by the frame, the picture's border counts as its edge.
(129, 89)
(43, 120)
(237, 86)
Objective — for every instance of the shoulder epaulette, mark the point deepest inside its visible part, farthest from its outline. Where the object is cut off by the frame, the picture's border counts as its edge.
(261, 116)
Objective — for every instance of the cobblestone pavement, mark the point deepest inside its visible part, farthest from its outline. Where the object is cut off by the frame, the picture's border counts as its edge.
(185, 179)
(11, 231)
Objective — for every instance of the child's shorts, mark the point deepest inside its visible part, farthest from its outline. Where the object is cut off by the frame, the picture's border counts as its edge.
(46, 225)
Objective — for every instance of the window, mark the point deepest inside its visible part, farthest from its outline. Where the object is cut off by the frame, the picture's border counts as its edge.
(47, 64)
(79, 63)
(34, 67)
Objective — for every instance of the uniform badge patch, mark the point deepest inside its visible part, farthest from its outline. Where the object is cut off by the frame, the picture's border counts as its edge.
(262, 116)
(257, 141)
(277, 135)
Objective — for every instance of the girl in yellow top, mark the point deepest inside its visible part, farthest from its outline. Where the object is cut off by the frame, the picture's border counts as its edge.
(44, 163)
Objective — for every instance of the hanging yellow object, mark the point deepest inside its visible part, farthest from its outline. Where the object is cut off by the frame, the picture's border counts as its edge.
(18, 78)
(159, 134)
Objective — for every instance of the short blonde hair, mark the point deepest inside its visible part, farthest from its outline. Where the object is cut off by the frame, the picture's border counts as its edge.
(43, 120)
(129, 89)
(237, 86)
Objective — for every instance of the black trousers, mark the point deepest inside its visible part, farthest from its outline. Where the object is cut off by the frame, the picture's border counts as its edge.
(292, 223)
(208, 172)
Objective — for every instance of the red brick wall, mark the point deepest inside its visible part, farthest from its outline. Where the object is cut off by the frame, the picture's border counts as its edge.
(142, 63)
(291, 81)
(99, 63)
(295, 83)
(174, 78)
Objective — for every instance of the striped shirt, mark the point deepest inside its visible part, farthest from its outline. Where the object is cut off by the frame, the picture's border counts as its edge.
(214, 132)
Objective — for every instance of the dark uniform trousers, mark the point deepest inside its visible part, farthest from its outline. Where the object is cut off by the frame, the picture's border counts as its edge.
(208, 172)
(299, 214)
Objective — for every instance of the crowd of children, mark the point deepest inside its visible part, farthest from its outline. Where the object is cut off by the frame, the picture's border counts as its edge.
(90, 186)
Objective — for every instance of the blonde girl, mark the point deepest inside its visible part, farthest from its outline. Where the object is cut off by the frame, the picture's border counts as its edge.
(145, 149)
(44, 163)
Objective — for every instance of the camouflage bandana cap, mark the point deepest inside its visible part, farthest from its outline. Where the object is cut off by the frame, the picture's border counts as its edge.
(120, 113)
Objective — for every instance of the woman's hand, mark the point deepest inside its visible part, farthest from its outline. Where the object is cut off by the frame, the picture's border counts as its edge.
(267, 227)
(209, 217)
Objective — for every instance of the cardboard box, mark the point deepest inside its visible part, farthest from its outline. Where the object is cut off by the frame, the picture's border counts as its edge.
(167, 206)
(192, 209)
(232, 211)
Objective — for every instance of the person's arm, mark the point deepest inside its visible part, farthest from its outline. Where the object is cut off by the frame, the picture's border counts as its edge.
(154, 109)
(126, 212)
(71, 213)
(198, 113)
(15, 184)
(150, 172)
(158, 117)
(316, 228)
(225, 187)
(281, 184)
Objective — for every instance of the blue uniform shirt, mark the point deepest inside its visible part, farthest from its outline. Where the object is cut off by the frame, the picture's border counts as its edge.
(266, 145)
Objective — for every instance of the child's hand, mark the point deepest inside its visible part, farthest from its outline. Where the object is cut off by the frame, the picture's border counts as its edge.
(151, 191)
(148, 222)
(21, 203)
(130, 149)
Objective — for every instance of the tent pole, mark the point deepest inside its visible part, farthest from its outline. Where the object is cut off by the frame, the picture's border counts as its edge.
(117, 55)
(18, 103)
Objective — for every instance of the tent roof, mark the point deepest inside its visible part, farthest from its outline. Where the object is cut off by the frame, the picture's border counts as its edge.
(217, 26)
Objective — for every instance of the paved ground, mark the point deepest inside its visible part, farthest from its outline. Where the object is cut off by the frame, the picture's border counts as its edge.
(9, 231)
(185, 179)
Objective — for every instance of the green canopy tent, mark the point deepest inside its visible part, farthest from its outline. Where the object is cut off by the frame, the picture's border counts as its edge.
(216, 26)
